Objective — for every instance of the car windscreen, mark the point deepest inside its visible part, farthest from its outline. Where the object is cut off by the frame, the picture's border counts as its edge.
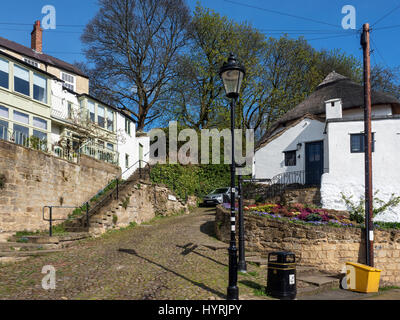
(221, 190)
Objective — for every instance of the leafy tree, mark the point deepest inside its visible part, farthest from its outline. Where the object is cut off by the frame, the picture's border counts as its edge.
(133, 45)
(386, 79)
(198, 99)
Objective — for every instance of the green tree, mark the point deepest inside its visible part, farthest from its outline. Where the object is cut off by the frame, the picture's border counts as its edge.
(198, 98)
(133, 45)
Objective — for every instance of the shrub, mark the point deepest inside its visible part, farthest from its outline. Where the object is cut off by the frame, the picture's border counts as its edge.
(314, 217)
(357, 209)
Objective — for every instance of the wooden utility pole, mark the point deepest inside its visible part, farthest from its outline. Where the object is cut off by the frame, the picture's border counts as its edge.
(369, 227)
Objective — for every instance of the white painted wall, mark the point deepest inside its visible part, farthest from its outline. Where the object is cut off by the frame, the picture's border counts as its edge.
(127, 145)
(346, 169)
(59, 106)
(269, 161)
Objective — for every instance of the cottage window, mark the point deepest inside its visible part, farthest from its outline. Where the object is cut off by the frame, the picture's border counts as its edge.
(21, 80)
(127, 126)
(39, 88)
(4, 73)
(290, 158)
(126, 161)
(357, 144)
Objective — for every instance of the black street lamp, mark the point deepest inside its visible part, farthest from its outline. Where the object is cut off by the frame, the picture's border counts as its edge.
(232, 74)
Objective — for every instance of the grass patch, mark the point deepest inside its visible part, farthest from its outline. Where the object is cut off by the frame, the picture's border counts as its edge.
(258, 290)
(384, 289)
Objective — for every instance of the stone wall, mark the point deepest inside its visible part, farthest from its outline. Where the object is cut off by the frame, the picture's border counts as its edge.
(325, 247)
(33, 179)
(292, 194)
(141, 203)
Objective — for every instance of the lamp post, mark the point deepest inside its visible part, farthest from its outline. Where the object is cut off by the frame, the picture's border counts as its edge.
(232, 74)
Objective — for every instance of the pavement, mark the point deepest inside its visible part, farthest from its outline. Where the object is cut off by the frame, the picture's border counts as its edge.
(174, 258)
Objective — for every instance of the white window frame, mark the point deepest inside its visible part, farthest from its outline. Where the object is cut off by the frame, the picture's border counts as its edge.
(32, 62)
(69, 84)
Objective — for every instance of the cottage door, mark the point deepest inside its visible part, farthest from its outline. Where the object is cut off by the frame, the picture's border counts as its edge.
(314, 162)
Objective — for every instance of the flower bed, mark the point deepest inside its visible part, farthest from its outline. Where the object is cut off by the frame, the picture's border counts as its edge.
(309, 214)
(299, 213)
(302, 213)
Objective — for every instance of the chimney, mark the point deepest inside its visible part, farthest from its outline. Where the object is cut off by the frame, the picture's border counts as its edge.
(333, 109)
(37, 37)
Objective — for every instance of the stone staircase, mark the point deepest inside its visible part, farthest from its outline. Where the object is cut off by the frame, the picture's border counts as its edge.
(26, 246)
(137, 200)
(102, 212)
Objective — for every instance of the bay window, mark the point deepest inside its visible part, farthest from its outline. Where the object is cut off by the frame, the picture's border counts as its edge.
(39, 88)
(91, 111)
(3, 130)
(4, 69)
(21, 80)
(39, 123)
(21, 117)
(110, 120)
(21, 135)
(101, 116)
(3, 112)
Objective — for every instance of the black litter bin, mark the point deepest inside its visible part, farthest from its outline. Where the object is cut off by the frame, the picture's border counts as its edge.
(281, 280)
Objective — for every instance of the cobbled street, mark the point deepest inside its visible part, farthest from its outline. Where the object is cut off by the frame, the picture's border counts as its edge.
(174, 258)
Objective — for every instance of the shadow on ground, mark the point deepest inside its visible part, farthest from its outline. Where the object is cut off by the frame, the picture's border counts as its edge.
(252, 285)
(190, 248)
(201, 285)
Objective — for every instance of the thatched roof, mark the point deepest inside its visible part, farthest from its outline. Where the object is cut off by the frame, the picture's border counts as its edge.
(334, 86)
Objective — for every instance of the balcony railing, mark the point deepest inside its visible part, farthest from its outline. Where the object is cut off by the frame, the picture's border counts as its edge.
(22, 139)
(99, 152)
(90, 149)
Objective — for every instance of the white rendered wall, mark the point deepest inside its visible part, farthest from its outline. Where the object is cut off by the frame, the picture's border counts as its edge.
(145, 142)
(59, 101)
(59, 106)
(269, 161)
(127, 145)
(346, 169)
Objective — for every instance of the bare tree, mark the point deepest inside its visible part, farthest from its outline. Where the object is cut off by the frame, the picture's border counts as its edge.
(133, 45)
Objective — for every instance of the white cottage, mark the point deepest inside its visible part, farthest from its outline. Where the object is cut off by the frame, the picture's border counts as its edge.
(321, 142)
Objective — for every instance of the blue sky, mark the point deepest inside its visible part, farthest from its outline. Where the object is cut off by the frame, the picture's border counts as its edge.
(17, 18)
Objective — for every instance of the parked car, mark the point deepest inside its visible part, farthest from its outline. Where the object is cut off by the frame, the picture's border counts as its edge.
(218, 196)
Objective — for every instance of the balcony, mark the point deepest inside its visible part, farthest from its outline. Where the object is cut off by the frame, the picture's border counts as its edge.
(89, 149)
(99, 152)
(23, 139)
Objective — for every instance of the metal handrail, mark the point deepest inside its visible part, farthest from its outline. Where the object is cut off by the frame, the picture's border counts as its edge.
(51, 219)
(89, 209)
(279, 183)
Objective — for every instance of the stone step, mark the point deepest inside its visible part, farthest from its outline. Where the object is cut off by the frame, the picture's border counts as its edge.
(306, 270)
(18, 246)
(45, 239)
(320, 280)
(27, 253)
(261, 262)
